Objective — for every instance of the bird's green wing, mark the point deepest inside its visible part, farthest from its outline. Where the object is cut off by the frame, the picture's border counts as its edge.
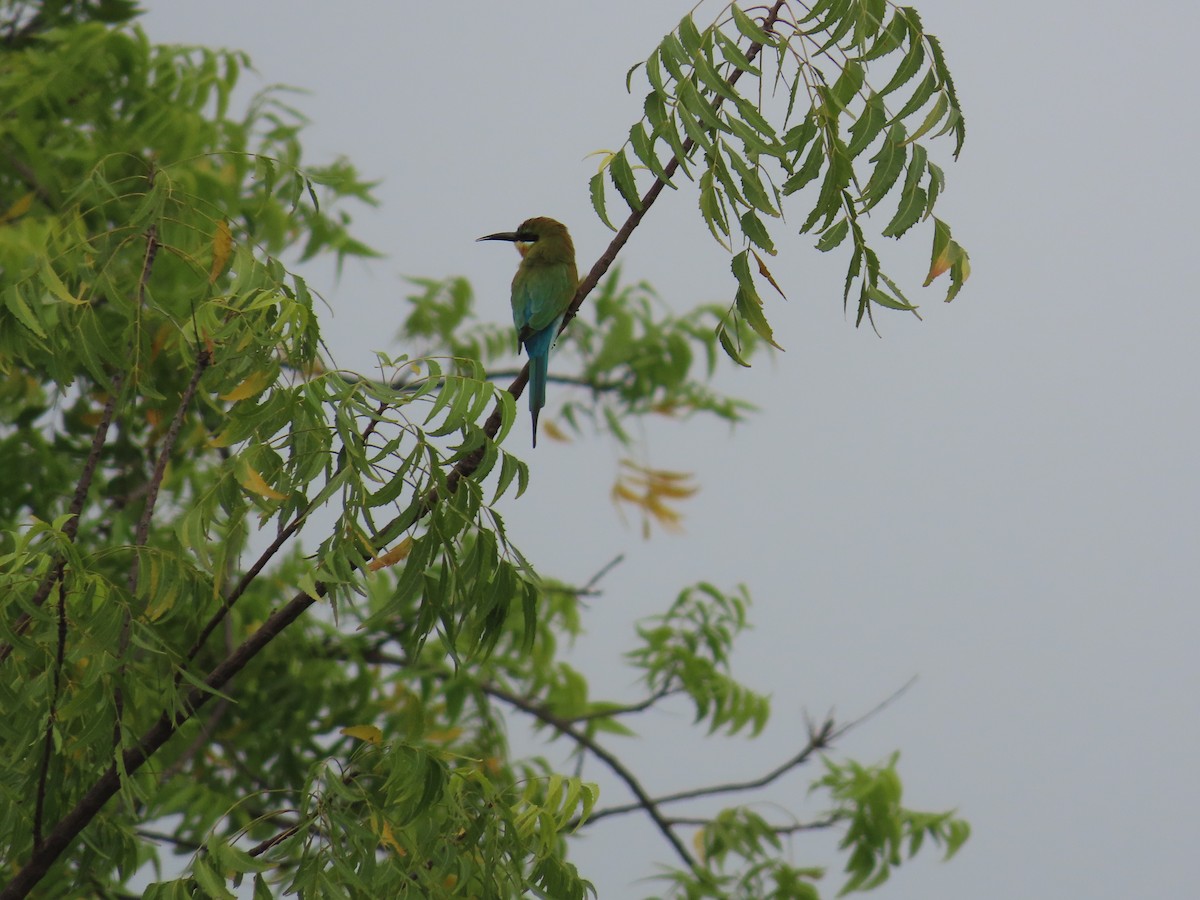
(540, 295)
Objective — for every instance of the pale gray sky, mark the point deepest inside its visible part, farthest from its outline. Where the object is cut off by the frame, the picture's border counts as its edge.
(1001, 499)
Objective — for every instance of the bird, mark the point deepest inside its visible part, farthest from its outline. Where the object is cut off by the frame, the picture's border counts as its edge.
(542, 290)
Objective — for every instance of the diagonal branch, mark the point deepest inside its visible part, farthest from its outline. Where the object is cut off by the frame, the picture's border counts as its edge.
(618, 768)
(818, 739)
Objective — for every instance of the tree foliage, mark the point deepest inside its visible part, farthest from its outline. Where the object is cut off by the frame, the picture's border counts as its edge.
(263, 610)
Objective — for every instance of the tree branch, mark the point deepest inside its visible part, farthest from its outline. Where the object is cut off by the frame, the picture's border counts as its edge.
(618, 768)
(818, 739)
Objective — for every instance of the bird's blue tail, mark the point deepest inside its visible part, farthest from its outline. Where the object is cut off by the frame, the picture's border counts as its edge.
(538, 348)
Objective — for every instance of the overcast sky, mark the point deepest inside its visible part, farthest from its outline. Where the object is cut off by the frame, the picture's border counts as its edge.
(1001, 500)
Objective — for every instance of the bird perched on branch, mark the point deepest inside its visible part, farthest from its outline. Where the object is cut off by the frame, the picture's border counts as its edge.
(542, 290)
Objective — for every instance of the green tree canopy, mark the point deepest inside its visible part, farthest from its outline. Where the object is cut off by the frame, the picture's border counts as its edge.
(263, 610)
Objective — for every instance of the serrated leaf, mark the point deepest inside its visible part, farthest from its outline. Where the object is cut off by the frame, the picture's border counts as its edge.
(749, 306)
(748, 26)
(623, 180)
(937, 180)
(889, 163)
(728, 346)
(935, 116)
(837, 178)
(943, 72)
(867, 126)
(756, 231)
(889, 40)
(809, 171)
(909, 66)
(689, 35)
(18, 306)
(733, 55)
(834, 235)
(912, 196)
(596, 188)
(919, 96)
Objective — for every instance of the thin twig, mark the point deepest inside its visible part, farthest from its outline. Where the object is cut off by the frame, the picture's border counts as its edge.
(781, 830)
(263, 846)
(818, 739)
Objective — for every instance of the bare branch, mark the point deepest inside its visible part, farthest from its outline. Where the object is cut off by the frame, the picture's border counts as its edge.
(818, 739)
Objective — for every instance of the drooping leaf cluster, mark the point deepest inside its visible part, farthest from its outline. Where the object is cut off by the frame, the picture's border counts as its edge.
(778, 106)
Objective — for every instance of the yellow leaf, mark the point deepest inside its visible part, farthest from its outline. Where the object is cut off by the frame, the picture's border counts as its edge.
(252, 481)
(222, 244)
(18, 209)
(550, 430)
(388, 839)
(368, 733)
(443, 737)
(251, 385)
(393, 556)
(765, 273)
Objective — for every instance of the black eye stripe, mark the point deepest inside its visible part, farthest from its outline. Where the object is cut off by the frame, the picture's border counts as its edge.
(526, 237)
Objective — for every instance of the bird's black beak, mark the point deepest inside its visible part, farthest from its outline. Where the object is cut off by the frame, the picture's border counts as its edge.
(501, 236)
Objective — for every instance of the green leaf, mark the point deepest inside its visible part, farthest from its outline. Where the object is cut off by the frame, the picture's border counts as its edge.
(733, 54)
(749, 27)
(596, 187)
(17, 305)
(943, 72)
(728, 346)
(809, 171)
(834, 235)
(913, 198)
(622, 178)
(909, 66)
(940, 108)
(868, 125)
(889, 163)
(749, 305)
(756, 231)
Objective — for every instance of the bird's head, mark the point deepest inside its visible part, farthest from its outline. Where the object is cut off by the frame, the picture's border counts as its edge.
(539, 238)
